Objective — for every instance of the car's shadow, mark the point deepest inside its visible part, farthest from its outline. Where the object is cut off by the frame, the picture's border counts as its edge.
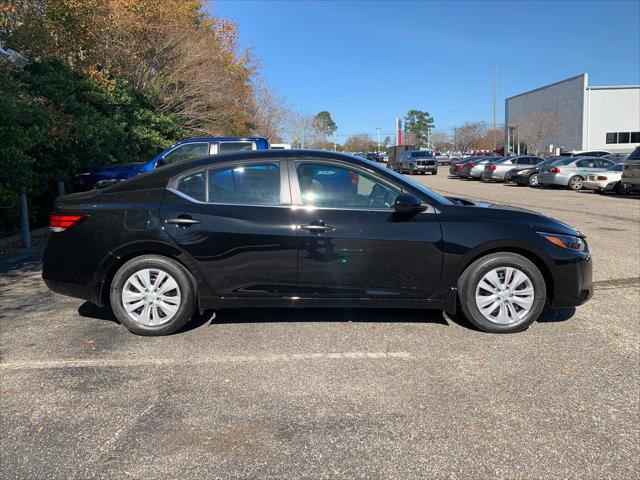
(333, 315)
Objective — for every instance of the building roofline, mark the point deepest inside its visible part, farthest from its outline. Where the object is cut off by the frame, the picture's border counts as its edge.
(613, 87)
(547, 86)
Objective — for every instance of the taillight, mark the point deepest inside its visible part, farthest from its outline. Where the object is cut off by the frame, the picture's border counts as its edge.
(59, 223)
(492, 167)
(472, 165)
(626, 167)
(600, 177)
(555, 170)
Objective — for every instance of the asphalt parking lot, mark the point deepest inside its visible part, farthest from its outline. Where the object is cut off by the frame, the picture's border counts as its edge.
(332, 393)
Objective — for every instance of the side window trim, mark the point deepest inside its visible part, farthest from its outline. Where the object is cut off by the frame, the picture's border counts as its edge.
(296, 194)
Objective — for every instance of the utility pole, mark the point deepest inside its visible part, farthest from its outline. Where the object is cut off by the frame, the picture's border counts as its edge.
(495, 80)
(378, 132)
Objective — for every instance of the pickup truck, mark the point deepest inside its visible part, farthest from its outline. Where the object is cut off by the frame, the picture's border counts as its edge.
(101, 177)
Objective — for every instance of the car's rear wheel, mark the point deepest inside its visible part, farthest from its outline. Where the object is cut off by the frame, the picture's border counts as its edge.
(152, 295)
(502, 293)
(575, 182)
(619, 188)
(533, 181)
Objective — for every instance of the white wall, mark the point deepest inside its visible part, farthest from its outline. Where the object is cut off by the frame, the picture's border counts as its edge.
(566, 97)
(612, 109)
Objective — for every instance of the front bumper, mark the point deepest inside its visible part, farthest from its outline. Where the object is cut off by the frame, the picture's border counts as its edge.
(573, 283)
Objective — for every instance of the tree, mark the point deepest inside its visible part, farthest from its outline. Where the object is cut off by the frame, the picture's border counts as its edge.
(360, 142)
(387, 141)
(418, 124)
(469, 136)
(324, 125)
(441, 141)
(300, 129)
(535, 128)
(271, 112)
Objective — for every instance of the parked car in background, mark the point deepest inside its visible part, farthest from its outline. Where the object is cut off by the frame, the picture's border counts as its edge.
(607, 181)
(590, 153)
(496, 171)
(474, 168)
(458, 164)
(418, 161)
(571, 171)
(215, 233)
(529, 175)
(101, 177)
(631, 172)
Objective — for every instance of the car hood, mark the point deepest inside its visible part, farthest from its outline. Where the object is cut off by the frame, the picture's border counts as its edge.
(511, 214)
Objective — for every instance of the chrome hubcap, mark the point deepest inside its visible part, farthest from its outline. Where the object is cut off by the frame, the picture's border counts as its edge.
(151, 297)
(533, 181)
(505, 295)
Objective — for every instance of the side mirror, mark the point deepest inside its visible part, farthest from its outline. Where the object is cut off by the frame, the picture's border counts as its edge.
(159, 163)
(407, 203)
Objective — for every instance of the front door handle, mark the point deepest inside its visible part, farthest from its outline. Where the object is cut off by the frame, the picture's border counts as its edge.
(317, 227)
(182, 221)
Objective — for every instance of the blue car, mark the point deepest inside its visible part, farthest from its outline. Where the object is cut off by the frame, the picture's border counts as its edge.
(101, 177)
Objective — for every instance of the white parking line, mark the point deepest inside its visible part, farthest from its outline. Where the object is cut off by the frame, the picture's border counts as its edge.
(141, 362)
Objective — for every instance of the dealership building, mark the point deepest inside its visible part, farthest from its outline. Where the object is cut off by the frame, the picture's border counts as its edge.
(585, 117)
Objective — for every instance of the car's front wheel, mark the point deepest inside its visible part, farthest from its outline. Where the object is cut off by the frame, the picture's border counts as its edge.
(152, 295)
(533, 181)
(502, 293)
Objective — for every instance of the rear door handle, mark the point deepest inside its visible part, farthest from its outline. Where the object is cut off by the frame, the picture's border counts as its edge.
(183, 221)
(316, 228)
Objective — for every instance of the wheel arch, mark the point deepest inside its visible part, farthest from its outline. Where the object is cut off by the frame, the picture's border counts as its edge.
(531, 254)
(116, 259)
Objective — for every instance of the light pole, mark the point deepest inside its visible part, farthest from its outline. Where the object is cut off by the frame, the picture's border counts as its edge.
(378, 132)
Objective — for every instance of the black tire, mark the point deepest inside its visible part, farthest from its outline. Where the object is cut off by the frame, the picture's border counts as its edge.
(184, 280)
(619, 188)
(575, 183)
(434, 173)
(412, 171)
(468, 283)
(533, 181)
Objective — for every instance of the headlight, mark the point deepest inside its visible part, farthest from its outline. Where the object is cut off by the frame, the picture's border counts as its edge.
(568, 242)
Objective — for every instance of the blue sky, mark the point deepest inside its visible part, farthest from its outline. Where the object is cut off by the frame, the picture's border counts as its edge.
(367, 62)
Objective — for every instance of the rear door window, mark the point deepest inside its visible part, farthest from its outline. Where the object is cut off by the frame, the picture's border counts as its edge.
(249, 184)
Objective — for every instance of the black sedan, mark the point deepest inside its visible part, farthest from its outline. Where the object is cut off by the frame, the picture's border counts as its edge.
(296, 228)
(529, 176)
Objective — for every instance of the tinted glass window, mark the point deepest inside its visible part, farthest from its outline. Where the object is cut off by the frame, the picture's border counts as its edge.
(255, 184)
(586, 163)
(635, 137)
(623, 137)
(422, 154)
(612, 137)
(192, 185)
(186, 152)
(332, 186)
(604, 163)
(226, 147)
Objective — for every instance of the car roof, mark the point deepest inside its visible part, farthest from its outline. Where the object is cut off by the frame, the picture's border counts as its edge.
(162, 175)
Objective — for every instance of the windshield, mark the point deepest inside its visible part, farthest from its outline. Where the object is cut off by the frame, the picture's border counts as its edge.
(422, 154)
(418, 186)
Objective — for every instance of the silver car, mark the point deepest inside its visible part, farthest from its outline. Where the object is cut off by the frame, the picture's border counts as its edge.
(474, 168)
(571, 171)
(497, 170)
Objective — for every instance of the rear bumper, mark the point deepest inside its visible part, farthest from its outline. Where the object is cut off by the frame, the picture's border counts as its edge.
(573, 282)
